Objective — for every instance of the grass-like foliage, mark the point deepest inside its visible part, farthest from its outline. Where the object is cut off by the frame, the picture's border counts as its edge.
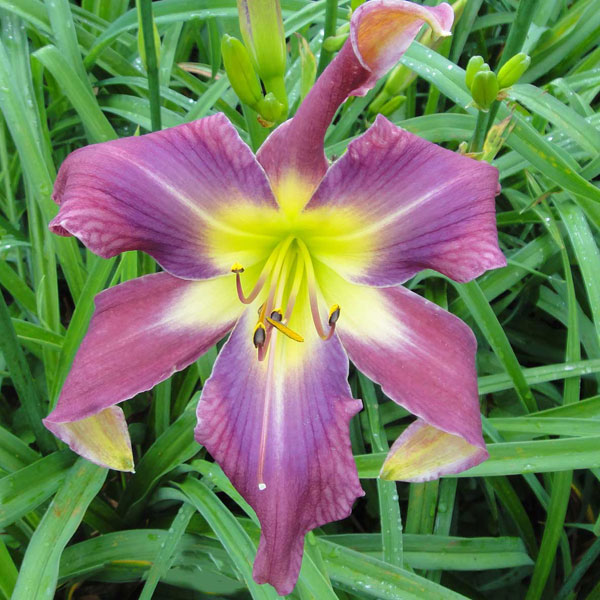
(524, 524)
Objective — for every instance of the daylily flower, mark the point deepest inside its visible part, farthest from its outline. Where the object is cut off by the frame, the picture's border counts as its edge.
(318, 254)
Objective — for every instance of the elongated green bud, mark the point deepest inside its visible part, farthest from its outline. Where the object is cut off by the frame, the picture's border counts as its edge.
(240, 71)
(335, 42)
(399, 78)
(262, 29)
(392, 104)
(345, 28)
(484, 89)
(474, 65)
(513, 70)
(379, 101)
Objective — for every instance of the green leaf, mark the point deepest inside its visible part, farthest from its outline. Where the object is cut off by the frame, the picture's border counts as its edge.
(39, 571)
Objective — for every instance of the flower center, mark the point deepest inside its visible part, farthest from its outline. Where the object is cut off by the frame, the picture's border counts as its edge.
(284, 271)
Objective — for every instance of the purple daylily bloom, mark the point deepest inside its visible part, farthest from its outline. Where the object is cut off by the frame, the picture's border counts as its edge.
(303, 237)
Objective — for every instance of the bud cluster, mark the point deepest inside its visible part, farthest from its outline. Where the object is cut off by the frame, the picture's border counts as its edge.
(262, 57)
(485, 85)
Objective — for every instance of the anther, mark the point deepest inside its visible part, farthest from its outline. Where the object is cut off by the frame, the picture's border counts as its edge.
(237, 268)
(277, 315)
(260, 335)
(334, 315)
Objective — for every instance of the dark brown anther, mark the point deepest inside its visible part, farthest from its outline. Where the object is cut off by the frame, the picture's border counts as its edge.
(260, 335)
(276, 315)
(334, 315)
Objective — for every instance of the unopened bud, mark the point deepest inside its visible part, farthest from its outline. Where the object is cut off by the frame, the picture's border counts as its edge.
(345, 28)
(240, 71)
(475, 64)
(335, 42)
(391, 105)
(379, 101)
(270, 108)
(262, 30)
(484, 89)
(513, 70)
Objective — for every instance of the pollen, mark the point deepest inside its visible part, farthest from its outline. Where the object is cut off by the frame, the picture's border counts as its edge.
(285, 330)
(236, 267)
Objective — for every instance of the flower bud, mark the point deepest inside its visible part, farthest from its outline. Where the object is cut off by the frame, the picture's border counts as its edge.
(484, 89)
(475, 64)
(270, 108)
(240, 71)
(334, 42)
(513, 70)
(391, 105)
(262, 30)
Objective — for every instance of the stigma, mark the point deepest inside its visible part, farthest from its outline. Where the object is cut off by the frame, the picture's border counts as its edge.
(287, 275)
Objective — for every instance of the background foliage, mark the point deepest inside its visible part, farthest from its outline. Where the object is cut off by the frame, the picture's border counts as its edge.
(522, 525)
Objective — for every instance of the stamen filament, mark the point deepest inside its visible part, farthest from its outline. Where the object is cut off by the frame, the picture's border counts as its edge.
(267, 307)
(298, 275)
(279, 270)
(237, 268)
(312, 294)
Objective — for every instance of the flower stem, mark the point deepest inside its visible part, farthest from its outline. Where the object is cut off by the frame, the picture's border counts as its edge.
(492, 114)
(479, 133)
(330, 22)
(151, 63)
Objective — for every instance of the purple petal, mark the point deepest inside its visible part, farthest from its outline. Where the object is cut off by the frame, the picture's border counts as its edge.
(420, 206)
(422, 356)
(293, 155)
(290, 414)
(382, 31)
(176, 194)
(142, 332)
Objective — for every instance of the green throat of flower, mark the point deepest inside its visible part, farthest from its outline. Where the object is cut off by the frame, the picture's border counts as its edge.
(288, 268)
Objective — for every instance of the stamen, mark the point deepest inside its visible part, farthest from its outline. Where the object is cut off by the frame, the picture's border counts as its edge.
(334, 314)
(298, 276)
(279, 270)
(314, 303)
(237, 268)
(277, 315)
(260, 335)
(285, 330)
